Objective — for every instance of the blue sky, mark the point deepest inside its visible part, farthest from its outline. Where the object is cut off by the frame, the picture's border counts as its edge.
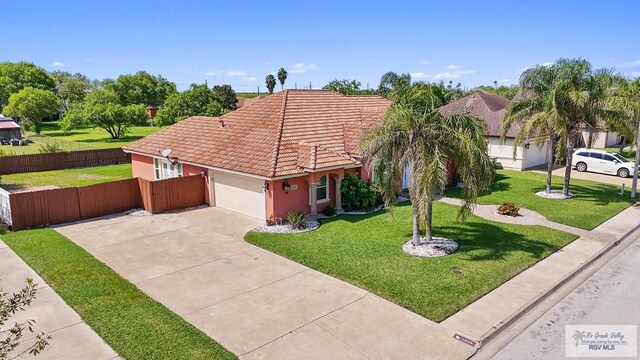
(240, 42)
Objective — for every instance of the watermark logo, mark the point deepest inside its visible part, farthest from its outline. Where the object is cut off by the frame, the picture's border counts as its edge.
(601, 340)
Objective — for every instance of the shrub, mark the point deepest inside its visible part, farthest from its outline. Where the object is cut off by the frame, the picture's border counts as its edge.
(329, 210)
(297, 220)
(358, 194)
(508, 209)
(50, 148)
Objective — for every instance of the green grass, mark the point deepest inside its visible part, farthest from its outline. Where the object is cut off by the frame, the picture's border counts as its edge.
(6, 150)
(133, 324)
(593, 204)
(366, 251)
(96, 137)
(67, 177)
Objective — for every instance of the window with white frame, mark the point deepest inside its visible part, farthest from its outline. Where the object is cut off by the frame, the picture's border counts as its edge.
(322, 191)
(164, 169)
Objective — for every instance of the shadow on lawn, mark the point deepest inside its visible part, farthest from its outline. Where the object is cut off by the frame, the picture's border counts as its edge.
(482, 241)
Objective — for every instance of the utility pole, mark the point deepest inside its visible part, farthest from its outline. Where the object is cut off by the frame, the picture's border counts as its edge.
(206, 84)
(258, 90)
(309, 85)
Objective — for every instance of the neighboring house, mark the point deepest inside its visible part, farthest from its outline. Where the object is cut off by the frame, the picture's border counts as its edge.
(9, 129)
(285, 152)
(601, 139)
(491, 108)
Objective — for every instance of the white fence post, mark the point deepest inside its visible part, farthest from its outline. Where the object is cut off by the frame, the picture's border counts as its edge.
(5, 207)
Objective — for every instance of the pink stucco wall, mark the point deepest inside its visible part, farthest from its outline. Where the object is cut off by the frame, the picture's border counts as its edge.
(279, 203)
(142, 166)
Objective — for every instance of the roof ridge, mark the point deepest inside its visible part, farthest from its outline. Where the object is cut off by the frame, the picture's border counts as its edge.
(276, 150)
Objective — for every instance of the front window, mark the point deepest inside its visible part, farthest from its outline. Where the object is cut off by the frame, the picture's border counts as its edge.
(619, 158)
(322, 191)
(595, 155)
(608, 157)
(164, 169)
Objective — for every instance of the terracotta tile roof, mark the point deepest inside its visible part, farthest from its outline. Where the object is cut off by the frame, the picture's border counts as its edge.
(489, 107)
(242, 101)
(282, 134)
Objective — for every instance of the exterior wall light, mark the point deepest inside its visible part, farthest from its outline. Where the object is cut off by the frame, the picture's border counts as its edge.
(265, 186)
(286, 187)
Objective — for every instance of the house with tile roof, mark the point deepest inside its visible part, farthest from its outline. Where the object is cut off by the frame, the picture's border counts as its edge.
(285, 152)
(492, 108)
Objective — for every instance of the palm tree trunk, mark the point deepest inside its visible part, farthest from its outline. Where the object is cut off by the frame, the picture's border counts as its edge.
(428, 226)
(416, 216)
(567, 170)
(550, 153)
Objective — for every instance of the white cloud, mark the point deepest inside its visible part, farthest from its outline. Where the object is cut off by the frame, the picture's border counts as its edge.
(268, 63)
(419, 75)
(58, 64)
(301, 67)
(548, 63)
(630, 64)
(236, 73)
(503, 81)
(424, 62)
(635, 73)
(452, 67)
(453, 74)
(249, 79)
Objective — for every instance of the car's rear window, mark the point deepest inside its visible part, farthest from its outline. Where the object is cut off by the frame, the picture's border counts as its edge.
(585, 154)
(595, 155)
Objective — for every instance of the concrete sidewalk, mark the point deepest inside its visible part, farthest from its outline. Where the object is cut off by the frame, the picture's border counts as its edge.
(72, 338)
(481, 318)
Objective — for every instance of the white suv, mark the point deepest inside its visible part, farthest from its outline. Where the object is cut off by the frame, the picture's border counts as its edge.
(602, 162)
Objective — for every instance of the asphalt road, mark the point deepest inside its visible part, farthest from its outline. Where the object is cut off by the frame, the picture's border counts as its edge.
(610, 296)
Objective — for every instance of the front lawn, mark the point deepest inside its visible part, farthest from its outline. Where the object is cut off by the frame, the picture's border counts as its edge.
(593, 204)
(67, 177)
(366, 251)
(95, 137)
(133, 324)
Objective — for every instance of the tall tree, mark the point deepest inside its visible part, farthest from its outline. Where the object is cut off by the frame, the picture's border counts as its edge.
(627, 103)
(141, 88)
(197, 100)
(270, 81)
(575, 98)
(17, 76)
(102, 109)
(391, 80)
(415, 134)
(282, 76)
(344, 87)
(226, 96)
(71, 88)
(535, 112)
(31, 105)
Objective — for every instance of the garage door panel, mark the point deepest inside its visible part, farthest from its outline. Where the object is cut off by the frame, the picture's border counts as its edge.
(241, 194)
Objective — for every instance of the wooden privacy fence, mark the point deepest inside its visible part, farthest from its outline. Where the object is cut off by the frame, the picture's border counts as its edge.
(57, 206)
(62, 160)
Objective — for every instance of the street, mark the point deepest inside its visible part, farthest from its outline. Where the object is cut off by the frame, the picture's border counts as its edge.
(610, 296)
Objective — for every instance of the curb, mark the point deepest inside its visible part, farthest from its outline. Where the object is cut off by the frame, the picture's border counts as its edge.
(534, 302)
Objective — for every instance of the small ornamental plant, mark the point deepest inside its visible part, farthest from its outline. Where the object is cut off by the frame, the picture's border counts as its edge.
(297, 220)
(329, 210)
(509, 209)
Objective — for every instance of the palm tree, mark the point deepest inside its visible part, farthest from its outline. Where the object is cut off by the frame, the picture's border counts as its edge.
(578, 336)
(627, 104)
(282, 76)
(533, 109)
(573, 97)
(270, 81)
(415, 133)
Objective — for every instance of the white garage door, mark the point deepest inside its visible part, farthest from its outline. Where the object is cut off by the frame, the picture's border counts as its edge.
(241, 194)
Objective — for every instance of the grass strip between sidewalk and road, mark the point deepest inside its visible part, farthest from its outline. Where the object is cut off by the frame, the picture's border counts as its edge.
(133, 324)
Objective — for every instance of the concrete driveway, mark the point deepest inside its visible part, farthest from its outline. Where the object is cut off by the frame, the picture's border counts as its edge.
(255, 303)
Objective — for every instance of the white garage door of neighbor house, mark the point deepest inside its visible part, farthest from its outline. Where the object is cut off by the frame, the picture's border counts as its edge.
(241, 194)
